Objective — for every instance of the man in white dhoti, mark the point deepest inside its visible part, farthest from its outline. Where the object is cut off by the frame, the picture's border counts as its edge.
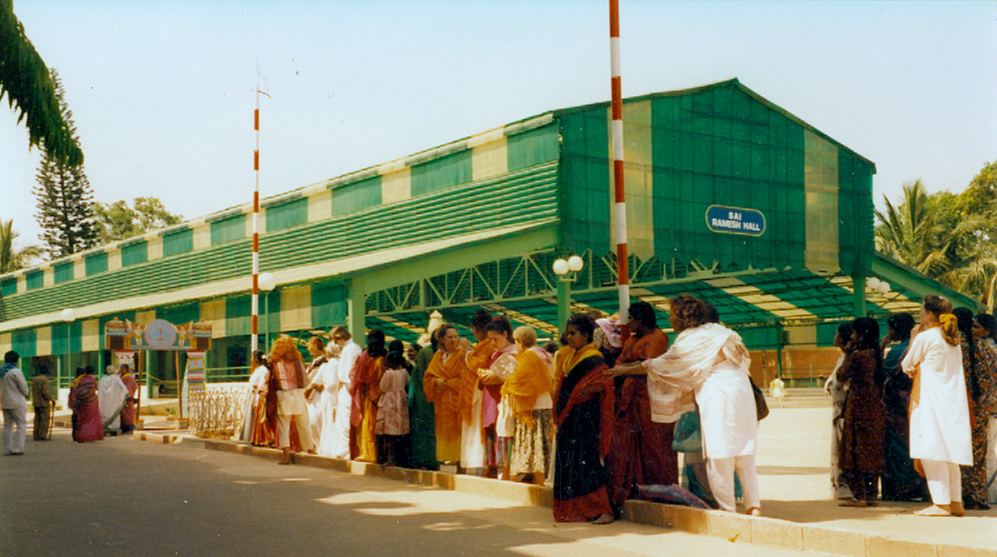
(111, 396)
(350, 352)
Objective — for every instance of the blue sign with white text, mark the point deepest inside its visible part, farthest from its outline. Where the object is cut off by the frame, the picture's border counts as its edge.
(735, 220)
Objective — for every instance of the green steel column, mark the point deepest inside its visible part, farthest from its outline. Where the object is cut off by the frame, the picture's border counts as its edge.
(858, 283)
(356, 305)
(563, 303)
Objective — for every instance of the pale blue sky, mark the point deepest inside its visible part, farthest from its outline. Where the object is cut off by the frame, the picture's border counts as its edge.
(162, 91)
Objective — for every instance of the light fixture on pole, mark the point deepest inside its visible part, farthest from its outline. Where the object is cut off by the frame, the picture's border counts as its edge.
(566, 271)
(68, 315)
(267, 283)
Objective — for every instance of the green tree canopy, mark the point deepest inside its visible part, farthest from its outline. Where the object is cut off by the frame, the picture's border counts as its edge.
(31, 93)
(65, 199)
(949, 237)
(12, 256)
(118, 221)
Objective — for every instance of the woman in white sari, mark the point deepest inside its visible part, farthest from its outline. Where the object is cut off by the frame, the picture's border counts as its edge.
(708, 365)
(327, 382)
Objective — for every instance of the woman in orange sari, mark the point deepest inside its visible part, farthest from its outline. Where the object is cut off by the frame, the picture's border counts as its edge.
(442, 384)
(527, 393)
(583, 412)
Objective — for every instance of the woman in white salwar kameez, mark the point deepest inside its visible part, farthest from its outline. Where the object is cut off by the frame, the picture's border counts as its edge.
(939, 419)
(327, 381)
(708, 365)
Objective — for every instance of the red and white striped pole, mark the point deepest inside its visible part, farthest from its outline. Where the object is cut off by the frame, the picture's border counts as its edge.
(255, 341)
(620, 208)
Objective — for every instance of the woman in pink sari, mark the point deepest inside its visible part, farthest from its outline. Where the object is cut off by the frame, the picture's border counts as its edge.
(83, 402)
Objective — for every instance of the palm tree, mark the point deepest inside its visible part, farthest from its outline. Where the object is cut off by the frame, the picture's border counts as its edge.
(25, 80)
(952, 254)
(13, 258)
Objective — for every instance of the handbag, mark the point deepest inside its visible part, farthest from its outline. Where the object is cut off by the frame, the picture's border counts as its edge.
(761, 407)
(687, 437)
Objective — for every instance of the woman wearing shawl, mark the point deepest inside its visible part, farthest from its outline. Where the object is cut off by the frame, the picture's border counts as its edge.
(441, 385)
(900, 481)
(583, 414)
(979, 389)
(289, 379)
(939, 417)
(83, 402)
(708, 365)
(365, 388)
(862, 457)
(500, 426)
(472, 437)
(527, 393)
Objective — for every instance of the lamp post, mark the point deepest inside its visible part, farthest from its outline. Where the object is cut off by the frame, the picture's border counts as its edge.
(267, 283)
(566, 271)
(68, 315)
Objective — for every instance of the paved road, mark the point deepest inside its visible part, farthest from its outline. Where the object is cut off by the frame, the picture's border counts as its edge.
(124, 496)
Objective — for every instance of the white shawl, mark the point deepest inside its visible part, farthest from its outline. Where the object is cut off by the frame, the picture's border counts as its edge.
(673, 377)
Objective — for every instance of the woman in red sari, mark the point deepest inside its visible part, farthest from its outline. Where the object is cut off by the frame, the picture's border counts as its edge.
(583, 412)
(83, 402)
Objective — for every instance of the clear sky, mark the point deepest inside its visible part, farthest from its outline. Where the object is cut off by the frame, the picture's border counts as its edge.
(162, 91)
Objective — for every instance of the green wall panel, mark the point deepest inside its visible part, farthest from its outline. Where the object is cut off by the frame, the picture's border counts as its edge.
(532, 148)
(75, 337)
(442, 173)
(34, 279)
(23, 341)
(96, 263)
(178, 315)
(178, 242)
(356, 196)
(329, 304)
(8, 287)
(134, 254)
(288, 214)
(227, 230)
(63, 272)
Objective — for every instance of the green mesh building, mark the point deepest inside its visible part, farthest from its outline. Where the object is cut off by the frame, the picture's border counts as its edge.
(729, 197)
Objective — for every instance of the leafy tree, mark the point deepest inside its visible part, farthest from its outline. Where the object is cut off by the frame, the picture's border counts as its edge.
(13, 257)
(31, 92)
(117, 221)
(65, 200)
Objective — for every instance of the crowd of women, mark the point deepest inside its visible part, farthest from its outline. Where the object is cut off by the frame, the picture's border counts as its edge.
(102, 407)
(913, 424)
(596, 417)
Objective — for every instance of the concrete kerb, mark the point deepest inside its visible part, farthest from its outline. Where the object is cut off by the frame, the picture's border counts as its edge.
(737, 528)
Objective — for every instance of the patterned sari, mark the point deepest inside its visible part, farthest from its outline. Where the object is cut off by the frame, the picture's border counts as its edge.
(83, 401)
